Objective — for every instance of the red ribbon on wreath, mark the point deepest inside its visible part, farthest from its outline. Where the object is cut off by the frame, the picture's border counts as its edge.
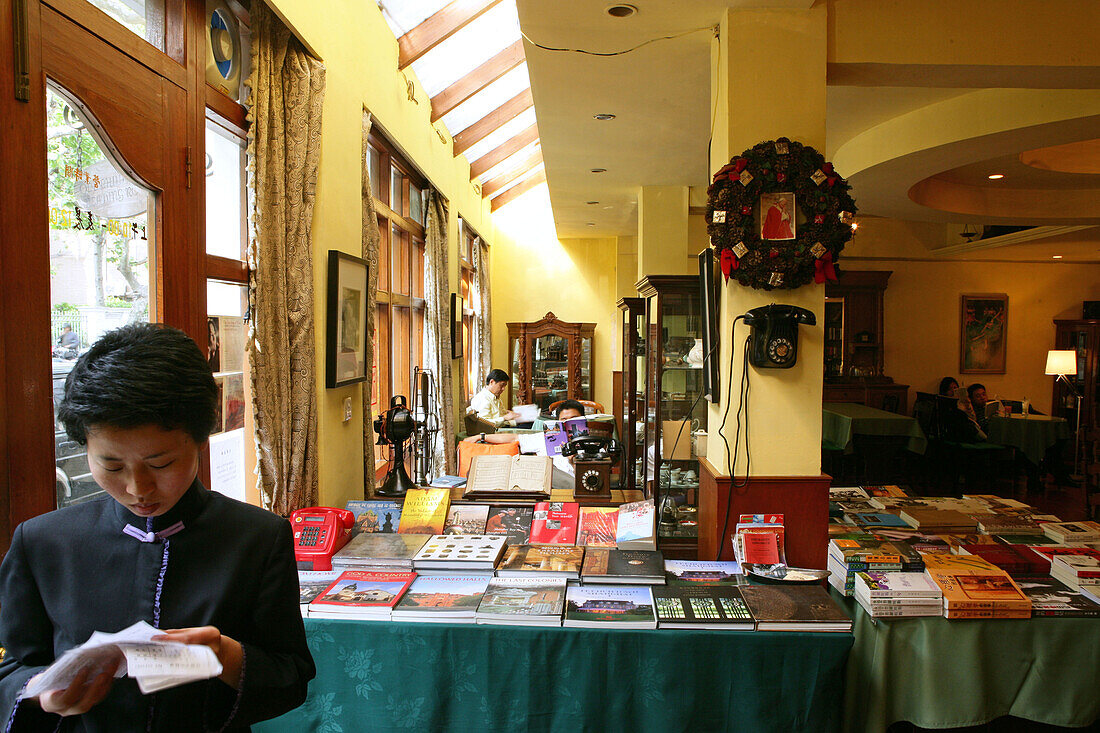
(824, 269)
(729, 262)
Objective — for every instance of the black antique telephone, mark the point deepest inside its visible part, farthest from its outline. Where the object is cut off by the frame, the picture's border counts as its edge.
(774, 337)
(592, 459)
(592, 448)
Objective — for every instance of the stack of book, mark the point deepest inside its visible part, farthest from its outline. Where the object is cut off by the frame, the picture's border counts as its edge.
(639, 567)
(460, 552)
(361, 594)
(938, 521)
(1075, 569)
(1047, 553)
(898, 594)
(1071, 532)
(442, 599)
(379, 552)
(702, 607)
(862, 553)
(522, 601)
(1007, 524)
(975, 588)
(312, 583)
(618, 607)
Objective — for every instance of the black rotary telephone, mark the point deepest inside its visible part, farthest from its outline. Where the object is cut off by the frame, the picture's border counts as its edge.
(774, 338)
(592, 459)
(592, 448)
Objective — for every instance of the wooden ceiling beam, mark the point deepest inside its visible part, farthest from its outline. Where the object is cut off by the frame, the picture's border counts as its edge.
(477, 80)
(482, 128)
(517, 190)
(498, 182)
(438, 27)
(502, 151)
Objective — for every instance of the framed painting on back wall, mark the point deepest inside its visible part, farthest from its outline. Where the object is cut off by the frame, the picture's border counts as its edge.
(983, 333)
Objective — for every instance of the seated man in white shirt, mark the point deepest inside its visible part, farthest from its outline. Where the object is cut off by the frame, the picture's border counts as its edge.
(486, 403)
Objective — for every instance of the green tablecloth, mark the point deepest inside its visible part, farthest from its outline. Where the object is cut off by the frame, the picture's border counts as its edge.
(841, 420)
(937, 673)
(1032, 434)
(382, 676)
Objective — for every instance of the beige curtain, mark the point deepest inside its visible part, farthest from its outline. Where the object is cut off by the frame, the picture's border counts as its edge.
(482, 341)
(284, 144)
(371, 239)
(437, 330)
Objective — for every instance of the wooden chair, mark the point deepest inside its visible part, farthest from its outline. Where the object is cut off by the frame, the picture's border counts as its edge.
(590, 406)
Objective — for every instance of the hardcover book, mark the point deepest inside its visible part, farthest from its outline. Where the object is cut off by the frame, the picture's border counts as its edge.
(703, 572)
(969, 582)
(933, 520)
(702, 607)
(513, 477)
(616, 607)
(375, 516)
(897, 585)
(597, 526)
(870, 520)
(425, 511)
(392, 551)
(1013, 559)
(524, 601)
(604, 565)
(555, 523)
(1072, 531)
(1051, 597)
(311, 583)
(441, 598)
(635, 529)
(551, 560)
(1001, 524)
(464, 552)
(794, 608)
(361, 594)
(514, 522)
(466, 519)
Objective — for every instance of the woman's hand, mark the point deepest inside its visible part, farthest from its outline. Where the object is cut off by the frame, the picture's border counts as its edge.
(87, 689)
(227, 650)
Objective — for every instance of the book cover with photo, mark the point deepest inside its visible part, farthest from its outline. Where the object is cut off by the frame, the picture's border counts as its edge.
(553, 560)
(621, 606)
(1051, 597)
(524, 601)
(374, 516)
(555, 523)
(512, 521)
(605, 565)
(312, 583)
(597, 526)
(466, 519)
(363, 592)
(702, 607)
(704, 572)
(424, 511)
(445, 598)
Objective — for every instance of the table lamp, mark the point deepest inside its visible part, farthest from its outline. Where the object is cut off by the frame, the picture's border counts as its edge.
(1061, 363)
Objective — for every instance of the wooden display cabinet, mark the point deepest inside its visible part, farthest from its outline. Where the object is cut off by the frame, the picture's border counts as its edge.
(551, 360)
(1083, 337)
(631, 406)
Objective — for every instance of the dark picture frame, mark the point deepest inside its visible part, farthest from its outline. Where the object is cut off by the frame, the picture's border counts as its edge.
(457, 304)
(346, 334)
(983, 333)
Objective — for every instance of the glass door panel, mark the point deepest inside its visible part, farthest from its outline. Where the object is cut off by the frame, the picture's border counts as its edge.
(144, 17)
(101, 247)
(550, 370)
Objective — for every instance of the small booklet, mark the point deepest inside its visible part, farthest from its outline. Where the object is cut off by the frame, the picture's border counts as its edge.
(156, 665)
(509, 476)
(527, 413)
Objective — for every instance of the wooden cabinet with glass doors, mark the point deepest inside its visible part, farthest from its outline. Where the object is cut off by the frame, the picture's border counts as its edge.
(550, 361)
(674, 408)
(1083, 337)
(632, 407)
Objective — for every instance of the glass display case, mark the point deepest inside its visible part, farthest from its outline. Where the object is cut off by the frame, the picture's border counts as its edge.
(632, 407)
(1083, 337)
(550, 360)
(674, 408)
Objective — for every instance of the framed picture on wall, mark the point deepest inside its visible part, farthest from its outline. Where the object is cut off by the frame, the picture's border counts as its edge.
(457, 304)
(346, 337)
(983, 333)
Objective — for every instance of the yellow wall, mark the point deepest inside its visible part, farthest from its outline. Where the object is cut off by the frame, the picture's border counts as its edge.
(360, 56)
(922, 306)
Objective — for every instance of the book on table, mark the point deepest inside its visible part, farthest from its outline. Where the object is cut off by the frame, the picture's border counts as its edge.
(441, 599)
(1048, 552)
(312, 583)
(897, 585)
(514, 522)
(611, 607)
(509, 477)
(1069, 532)
(606, 565)
(596, 527)
(466, 519)
(854, 494)
(1051, 597)
(1013, 559)
(702, 607)
(975, 588)
(899, 609)
(379, 551)
(460, 552)
(635, 528)
(794, 608)
(548, 560)
(555, 523)
(361, 594)
(1001, 524)
(425, 511)
(704, 572)
(1072, 569)
(522, 601)
(937, 520)
(446, 481)
(374, 516)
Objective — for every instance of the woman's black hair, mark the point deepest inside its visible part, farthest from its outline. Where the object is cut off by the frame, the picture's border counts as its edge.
(141, 374)
(496, 375)
(943, 386)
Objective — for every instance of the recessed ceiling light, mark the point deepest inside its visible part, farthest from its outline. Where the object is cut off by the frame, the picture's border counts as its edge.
(621, 10)
(996, 176)
(591, 224)
(603, 116)
(598, 170)
(591, 203)
(1056, 257)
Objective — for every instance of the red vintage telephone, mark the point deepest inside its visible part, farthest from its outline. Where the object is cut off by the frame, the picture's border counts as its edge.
(319, 531)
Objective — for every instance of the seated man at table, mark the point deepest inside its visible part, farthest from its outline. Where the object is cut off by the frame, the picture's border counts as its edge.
(978, 401)
(486, 403)
(567, 410)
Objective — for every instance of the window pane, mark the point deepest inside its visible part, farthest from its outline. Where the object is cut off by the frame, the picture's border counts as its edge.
(419, 272)
(374, 165)
(99, 261)
(402, 339)
(402, 282)
(397, 202)
(381, 399)
(227, 354)
(144, 17)
(416, 205)
(418, 337)
(383, 254)
(225, 160)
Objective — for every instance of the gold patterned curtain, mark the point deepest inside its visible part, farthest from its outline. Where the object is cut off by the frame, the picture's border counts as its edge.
(284, 145)
(371, 239)
(482, 341)
(437, 330)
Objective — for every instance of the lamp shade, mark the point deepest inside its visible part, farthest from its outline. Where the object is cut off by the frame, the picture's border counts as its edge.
(1061, 362)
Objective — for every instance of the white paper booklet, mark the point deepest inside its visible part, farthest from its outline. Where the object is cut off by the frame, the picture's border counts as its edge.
(156, 665)
(527, 413)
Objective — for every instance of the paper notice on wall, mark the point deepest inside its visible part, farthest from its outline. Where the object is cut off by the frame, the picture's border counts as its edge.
(232, 343)
(227, 464)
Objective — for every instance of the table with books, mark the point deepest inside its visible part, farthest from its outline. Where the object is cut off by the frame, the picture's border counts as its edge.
(979, 610)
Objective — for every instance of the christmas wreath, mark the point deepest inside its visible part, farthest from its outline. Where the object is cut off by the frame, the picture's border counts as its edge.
(778, 216)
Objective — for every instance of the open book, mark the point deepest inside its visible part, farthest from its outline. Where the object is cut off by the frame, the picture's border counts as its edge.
(516, 477)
